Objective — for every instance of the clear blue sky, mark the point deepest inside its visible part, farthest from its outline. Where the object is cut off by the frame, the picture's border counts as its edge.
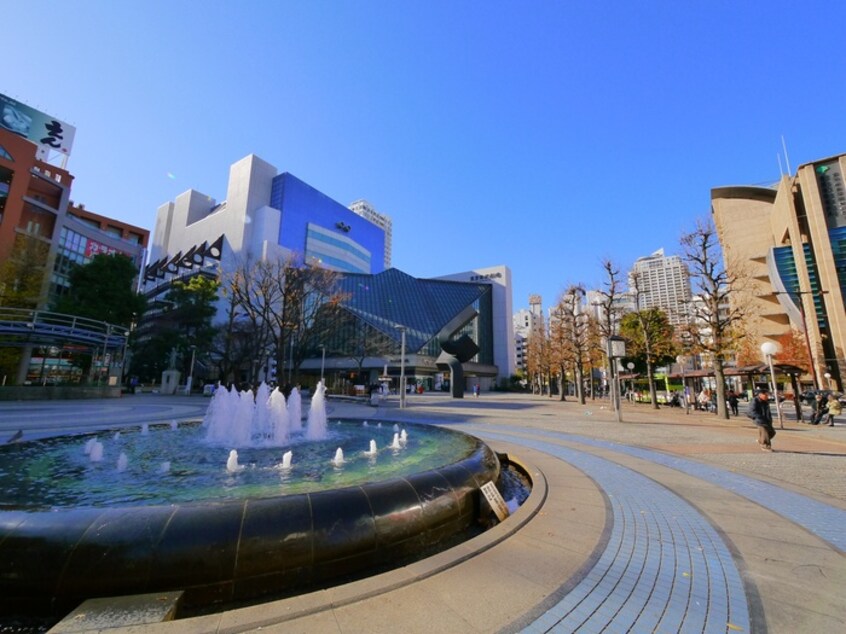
(541, 135)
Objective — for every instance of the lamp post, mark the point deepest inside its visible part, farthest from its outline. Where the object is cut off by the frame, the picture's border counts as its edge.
(190, 372)
(402, 330)
(322, 360)
(827, 376)
(681, 361)
(616, 351)
(769, 349)
(630, 366)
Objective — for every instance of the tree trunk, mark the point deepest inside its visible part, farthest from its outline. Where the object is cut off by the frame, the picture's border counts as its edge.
(722, 410)
(580, 384)
(653, 395)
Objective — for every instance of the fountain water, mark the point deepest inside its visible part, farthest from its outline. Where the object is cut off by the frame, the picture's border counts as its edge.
(316, 428)
(232, 462)
(123, 462)
(318, 517)
(295, 410)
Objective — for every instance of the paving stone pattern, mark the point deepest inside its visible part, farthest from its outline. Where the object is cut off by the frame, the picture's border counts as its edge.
(665, 568)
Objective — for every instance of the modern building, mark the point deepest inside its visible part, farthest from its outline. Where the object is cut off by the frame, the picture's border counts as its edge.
(366, 338)
(368, 212)
(266, 215)
(525, 322)
(35, 204)
(661, 281)
(499, 279)
(40, 226)
(789, 242)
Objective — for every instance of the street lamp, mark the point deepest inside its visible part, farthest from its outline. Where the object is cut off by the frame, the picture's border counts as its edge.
(190, 372)
(616, 351)
(827, 376)
(402, 330)
(630, 366)
(682, 361)
(322, 360)
(769, 349)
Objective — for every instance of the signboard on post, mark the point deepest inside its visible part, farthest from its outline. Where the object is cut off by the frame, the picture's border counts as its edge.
(45, 131)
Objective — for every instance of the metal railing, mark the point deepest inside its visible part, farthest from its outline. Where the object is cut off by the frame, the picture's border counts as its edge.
(44, 327)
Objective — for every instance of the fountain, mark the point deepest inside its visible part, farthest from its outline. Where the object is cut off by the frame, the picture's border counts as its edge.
(181, 515)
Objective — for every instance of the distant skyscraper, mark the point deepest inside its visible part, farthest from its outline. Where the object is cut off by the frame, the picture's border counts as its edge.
(659, 281)
(365, 210)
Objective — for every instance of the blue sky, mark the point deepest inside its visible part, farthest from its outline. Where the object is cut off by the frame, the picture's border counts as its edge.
(541, 135)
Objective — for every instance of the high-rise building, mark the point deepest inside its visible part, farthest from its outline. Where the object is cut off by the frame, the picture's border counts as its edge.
(661, 281)
(384, 222)
(789, 242)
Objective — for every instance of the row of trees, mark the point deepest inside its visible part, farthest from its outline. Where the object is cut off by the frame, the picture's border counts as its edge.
(575, 341)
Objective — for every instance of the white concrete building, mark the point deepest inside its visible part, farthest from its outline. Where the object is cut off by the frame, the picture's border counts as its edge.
(660, 281)
(499, 277)
(368, 212)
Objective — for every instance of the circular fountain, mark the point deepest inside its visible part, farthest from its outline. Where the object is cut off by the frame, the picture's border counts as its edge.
(248, 504)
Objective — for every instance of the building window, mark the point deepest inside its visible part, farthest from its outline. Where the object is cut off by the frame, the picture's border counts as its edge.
(5, 155)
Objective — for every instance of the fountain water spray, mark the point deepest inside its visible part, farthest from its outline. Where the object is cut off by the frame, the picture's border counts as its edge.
(316, 428)
(286, 459)
(96, 454)
(232, 462)
(295, 410)
(338, 460)
(396, 443)
(372, 451)
(122, 462)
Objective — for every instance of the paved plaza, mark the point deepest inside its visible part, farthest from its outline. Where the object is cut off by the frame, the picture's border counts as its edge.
(667, 522)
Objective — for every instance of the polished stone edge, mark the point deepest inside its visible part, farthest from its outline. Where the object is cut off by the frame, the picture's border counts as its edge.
(283, 610)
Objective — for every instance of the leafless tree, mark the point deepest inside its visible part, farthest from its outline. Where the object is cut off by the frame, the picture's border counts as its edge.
(609, 318)
(570, 337)
(717, 313)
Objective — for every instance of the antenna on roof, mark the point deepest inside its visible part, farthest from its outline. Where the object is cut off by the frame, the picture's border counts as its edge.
(786, 159)
(780, 169)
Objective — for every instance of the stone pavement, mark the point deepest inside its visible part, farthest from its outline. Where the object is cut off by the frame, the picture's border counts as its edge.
(664, 523)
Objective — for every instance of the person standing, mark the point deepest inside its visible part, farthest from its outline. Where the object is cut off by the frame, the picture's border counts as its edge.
(759, 412)
(733, 402)
(818, 407)
(834, 409)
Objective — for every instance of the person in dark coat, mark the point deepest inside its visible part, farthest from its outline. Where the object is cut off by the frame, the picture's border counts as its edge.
(733, 402)
(759, 412)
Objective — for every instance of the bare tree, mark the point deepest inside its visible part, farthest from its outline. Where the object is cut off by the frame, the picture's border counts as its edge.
(717, 317)
(279, 301)
(608, 322)
(570, 337)
(537, 357)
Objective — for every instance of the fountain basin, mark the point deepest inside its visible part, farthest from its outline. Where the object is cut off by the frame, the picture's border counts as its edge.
(223, 550)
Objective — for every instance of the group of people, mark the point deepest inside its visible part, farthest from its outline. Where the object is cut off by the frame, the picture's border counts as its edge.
(828, 407)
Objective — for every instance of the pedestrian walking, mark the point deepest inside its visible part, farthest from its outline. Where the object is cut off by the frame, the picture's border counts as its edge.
(759, 412)
(834, 409)
(818, 409)
(733, 402)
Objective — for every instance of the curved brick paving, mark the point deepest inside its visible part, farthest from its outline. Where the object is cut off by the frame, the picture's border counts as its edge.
(823, 520)
(664, 569)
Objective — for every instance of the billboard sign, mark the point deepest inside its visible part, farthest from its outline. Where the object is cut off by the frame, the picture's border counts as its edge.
(42, 129)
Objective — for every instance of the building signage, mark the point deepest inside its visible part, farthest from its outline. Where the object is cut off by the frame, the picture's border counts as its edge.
(97, 248)
(487, 276)
(45, 131)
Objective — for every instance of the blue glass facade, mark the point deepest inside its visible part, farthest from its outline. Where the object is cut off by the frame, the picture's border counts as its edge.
(424, 307)
(786, 265)
(321, 229)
